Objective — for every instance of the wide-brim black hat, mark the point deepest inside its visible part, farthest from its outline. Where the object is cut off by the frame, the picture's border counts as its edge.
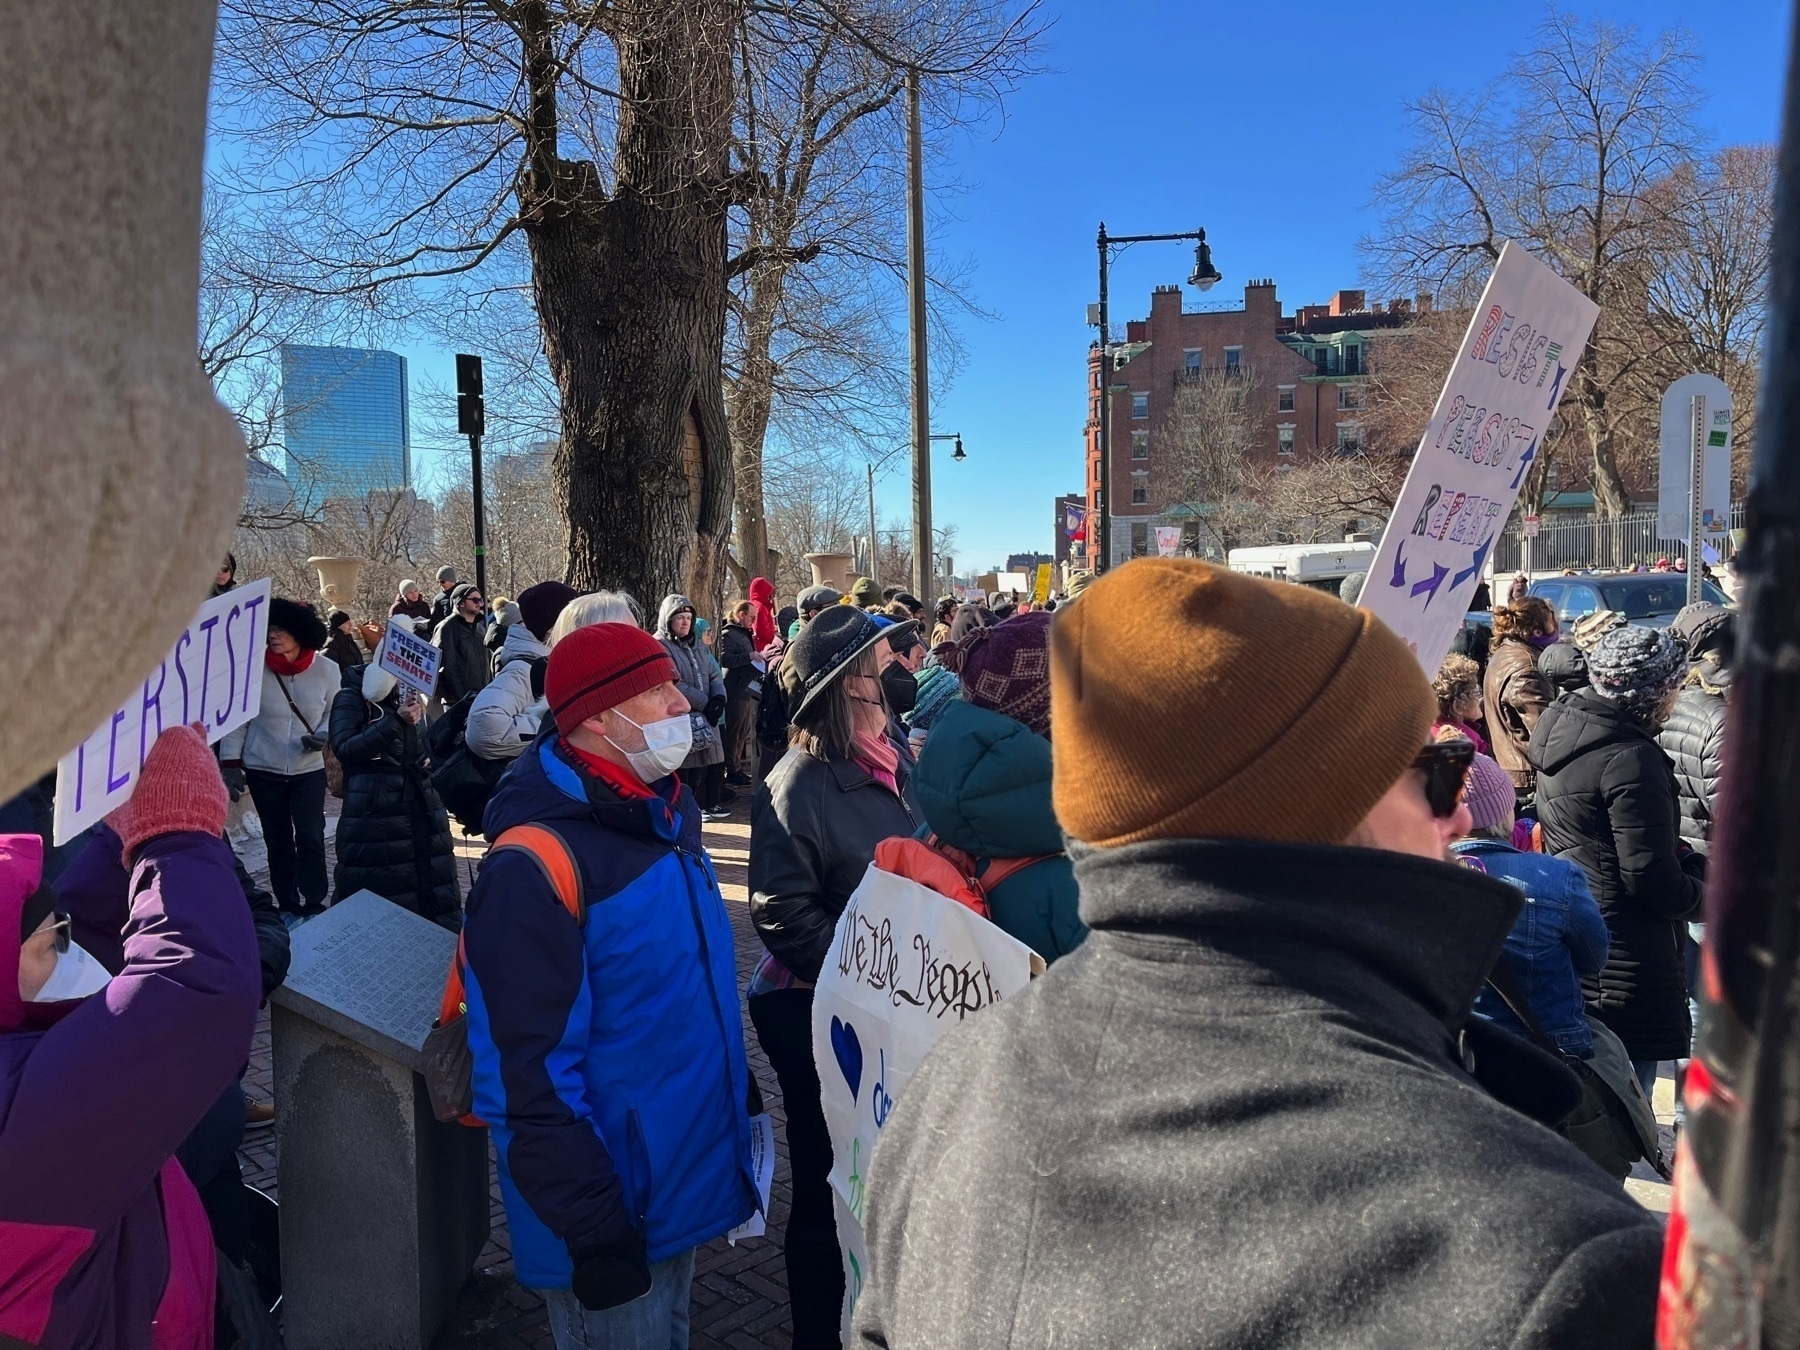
(828, 646)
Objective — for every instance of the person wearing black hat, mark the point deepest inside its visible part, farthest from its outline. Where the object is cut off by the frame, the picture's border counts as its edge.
(841, 788)
(464, 668)
(772, 710)
(342, 646)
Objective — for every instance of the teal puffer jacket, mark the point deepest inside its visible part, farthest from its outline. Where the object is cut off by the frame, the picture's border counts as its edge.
(983, 782)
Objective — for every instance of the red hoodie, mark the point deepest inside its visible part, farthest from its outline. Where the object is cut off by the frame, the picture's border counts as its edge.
(762, 612)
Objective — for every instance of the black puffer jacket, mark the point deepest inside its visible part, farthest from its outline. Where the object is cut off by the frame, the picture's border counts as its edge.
(393, 837)
(464, 668)
(1606, 800)
(737, 654)
(1694, 740)
(813, 831)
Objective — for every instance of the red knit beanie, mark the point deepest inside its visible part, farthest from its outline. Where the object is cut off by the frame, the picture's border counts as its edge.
(179, 788)
(599, 667)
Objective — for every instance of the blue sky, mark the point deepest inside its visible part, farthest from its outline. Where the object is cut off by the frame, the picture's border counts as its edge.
(1265, 123)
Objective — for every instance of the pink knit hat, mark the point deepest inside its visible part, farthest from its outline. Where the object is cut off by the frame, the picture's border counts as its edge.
(1488, 790)
(179, 788)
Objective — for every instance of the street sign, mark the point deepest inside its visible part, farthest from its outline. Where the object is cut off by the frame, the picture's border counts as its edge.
(1673, 504)
(1531, 527)
(1524, 339)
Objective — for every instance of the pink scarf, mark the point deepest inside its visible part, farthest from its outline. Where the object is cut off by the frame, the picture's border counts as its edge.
(876, 753)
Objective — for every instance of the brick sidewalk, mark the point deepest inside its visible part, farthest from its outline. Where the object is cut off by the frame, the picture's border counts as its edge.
(740, 1293)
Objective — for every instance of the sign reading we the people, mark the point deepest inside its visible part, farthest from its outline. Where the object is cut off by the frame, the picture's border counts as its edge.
(1513, 366)
(905, 965)
(213, 674)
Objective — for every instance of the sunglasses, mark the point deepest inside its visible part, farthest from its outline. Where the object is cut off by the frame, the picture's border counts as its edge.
(1445, 765)
(61, 930)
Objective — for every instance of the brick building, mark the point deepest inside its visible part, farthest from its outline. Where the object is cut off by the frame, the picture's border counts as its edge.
(1304, 375)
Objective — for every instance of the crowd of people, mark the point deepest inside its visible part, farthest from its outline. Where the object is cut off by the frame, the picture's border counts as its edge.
(1344, 964)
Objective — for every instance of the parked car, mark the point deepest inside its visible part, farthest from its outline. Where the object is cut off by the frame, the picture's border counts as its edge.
(1648, 599)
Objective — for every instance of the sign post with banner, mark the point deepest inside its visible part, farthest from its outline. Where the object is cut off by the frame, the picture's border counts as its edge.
(1693, 498)
(409, 658)
(1511, 369)
(213, 674)
(905, 966)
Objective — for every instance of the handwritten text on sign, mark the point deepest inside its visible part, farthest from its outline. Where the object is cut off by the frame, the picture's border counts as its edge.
(1515, 361)
(408, 658)
(905, 966)
(213, 674)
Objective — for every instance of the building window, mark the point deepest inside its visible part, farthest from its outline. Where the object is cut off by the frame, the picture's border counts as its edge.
(1140, 495)
(1322, 361)
(1234, 360)
(1192, 358)
(1096, 470)
(1284, 398)
(1140, 445)
(1140, 539)
(1284, 440)
(1096, 377)
(1349, 395)
(1349, 438)
(1140, 405)
(1352, 360)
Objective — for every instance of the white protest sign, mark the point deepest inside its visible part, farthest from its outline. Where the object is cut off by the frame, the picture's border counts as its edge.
(1514, 363)
(409, 658)
(904, 967)
(1168, 540)
(213, 674)
(762, 1167)
(1677, 458)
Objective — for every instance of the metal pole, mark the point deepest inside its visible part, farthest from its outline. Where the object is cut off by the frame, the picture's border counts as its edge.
(480, 524)
(1103, 494)
(874, 543)
(1696, 491)
(921, 369)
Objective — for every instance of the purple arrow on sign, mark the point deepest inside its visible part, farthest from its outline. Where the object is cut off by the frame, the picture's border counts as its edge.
(1399, 567)
(1479, 557)
(1429, 587)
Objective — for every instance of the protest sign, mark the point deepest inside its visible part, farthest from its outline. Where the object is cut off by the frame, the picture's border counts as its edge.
(409, 658)
(1676, 464)
(905, 966)
(1040, 588)
(213, 674)
(1168, 540)
(1524, 339)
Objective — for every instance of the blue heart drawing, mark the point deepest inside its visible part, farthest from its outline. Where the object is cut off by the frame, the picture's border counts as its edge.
(848, 1050)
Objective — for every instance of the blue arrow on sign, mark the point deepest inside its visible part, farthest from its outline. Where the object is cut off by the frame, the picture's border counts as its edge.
(1525, 460)
(1480, 556)
(1429, 587)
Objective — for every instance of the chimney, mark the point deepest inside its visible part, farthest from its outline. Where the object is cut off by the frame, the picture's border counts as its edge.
(1423, 301)
(1346, 302)
(1260, 299)
(1400, 306)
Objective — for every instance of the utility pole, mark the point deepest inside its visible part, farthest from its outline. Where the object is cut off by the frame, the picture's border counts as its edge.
(874, 564)
(921, 369)
(471, 420)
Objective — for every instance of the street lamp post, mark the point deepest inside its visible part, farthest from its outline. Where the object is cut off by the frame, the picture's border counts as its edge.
(1203, 278)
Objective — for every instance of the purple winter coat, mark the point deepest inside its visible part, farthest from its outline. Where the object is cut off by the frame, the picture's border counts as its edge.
(101, 1234)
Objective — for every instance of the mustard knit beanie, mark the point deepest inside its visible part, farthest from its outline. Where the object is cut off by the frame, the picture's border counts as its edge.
(1192, 702)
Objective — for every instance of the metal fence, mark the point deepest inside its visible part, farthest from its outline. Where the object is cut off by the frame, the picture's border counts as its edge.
(1586, 542)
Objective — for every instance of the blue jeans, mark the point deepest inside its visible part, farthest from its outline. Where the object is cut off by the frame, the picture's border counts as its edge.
(1645, 1069)
(657, 1321)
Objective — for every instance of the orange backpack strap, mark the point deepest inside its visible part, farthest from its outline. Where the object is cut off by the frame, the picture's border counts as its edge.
(550, 852)
(999, 869)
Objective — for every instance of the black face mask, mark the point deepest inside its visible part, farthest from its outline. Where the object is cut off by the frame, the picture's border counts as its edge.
(900, 689)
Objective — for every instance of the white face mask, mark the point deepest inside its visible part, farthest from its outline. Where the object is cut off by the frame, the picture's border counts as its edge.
(76, 975)
(666, 744)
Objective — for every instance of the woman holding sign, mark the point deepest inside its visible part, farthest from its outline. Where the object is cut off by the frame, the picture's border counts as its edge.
(279, 752)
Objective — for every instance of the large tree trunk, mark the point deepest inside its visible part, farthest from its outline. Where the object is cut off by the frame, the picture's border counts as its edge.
(752, 398)
(631, 296)
(1611, 499)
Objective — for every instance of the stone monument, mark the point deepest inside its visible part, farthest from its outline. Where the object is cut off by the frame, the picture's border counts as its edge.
(383, 1208)
(337, 582)
(120, 474)
(835, 570)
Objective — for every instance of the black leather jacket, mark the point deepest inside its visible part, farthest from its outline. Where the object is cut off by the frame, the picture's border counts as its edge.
(813, 831)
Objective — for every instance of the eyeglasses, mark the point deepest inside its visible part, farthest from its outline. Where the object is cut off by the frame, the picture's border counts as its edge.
(1445, 765)
(61, 930)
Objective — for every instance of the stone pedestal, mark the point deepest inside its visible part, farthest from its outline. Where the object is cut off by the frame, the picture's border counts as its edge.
(337, 582)
(383, 1209)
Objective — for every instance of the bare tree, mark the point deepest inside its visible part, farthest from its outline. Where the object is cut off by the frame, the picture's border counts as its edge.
(1206, 455)
(1565, 154)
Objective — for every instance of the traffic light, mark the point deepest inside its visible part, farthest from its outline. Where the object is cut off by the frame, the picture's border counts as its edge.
(471, 412)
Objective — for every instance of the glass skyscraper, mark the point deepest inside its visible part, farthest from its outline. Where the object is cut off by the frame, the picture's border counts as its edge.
(344, 422)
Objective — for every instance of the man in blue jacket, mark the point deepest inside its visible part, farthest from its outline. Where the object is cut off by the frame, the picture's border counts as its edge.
(609, 1051)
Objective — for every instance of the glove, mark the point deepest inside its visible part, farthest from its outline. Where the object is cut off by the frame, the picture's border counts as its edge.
(609, 1275)
(715, 707)
(237, 783)
(178, 789)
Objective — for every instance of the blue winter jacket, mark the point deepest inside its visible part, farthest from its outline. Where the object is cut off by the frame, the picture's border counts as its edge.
(609, 1059)
(1558, 937)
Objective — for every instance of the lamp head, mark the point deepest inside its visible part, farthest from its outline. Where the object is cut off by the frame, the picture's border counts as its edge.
(958, 454)
(1205, 274)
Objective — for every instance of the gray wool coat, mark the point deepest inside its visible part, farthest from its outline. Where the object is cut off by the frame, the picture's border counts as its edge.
(1238, 1117)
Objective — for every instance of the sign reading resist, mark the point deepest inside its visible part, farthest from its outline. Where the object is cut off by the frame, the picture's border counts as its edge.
(213, 674)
